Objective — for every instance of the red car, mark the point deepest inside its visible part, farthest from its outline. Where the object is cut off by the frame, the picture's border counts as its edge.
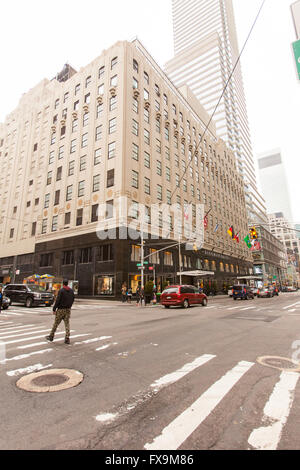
(183, 296)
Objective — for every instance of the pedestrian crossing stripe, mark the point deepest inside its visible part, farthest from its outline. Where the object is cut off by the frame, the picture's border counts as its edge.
(182, 427)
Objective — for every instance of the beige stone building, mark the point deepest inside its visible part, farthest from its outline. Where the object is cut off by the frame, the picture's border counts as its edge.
(117, 128)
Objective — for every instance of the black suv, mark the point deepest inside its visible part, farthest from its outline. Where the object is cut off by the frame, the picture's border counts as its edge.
(28, 295)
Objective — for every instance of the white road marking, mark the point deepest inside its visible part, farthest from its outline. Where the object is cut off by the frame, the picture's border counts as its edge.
(24, 356)
(233, 308)
(178, 374)
(93, 340)
(11, 313)
(16, 327)
(105, 346)
(27, 370)
(292, 310)
(276, 411)
(24, 334)
(292, 305)
(247, 308)
(181, 428)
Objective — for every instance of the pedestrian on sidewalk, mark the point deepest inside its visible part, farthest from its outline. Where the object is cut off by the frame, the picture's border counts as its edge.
(62, 311)
(124, 293)
(129, 295)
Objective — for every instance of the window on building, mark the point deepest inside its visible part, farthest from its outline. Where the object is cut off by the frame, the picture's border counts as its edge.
(82, 163)
(101, 72)
(112, 127)
(94, 215)
(67, 218)
(159, 192)
(58, 173)
(44, 226)
(96, 183)
(54, 223)
(135, 127)
(69, 192)
(146, 137)
(71, 168)
(97, 156)
(67, 257)
(33, 229)
(111, 150)
(135, 66)
(147, 159)
(46, 259)
(73, 146)
(98, 133)
(85, 255)
(56, 198)
(114, 62)
(110, 181)
(85, 119)
(88, 81)
(114, 81)
(79, 216)
(80, 189)
(147, 185)
(135, 152)
(134, 179)
(47, 201)
(84, 140)
(112, 103)
(109, 209)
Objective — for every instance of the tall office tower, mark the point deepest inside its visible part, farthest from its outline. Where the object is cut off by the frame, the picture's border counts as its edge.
(272, 175)
(206, 49)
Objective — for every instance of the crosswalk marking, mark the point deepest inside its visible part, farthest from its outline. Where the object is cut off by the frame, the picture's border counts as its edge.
(16, 327)
(26, 346)
(178, 374)
(277, 411)
(180, 429)
(23, 332)
(27, 370)
(25, 356)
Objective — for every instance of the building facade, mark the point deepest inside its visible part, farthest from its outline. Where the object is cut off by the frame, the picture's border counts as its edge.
(206, 50)
(80, 145)
(284, 231)
(269, 258)
(272, 174)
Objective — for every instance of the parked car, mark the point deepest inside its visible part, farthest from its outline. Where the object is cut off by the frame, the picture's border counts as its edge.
(254, 290)
(183, 296)
(242, 291)
(29, 295)
(266, 291)
(5, 302)
(230, 291)
(291, 289)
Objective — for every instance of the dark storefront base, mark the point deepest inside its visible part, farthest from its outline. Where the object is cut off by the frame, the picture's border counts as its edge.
(99, 277)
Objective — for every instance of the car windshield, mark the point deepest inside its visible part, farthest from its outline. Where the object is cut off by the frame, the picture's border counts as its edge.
(37, 289)
(238, 287)
(171, 290)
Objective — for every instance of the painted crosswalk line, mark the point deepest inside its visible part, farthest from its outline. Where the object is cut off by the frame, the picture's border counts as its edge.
(181, 428)
(276, 412)
(27, 370)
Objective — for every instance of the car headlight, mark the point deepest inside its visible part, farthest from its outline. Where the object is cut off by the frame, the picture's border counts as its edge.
(37, 296)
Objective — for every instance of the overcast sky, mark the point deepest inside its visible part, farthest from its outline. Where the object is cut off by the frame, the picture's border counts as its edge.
(38, 37)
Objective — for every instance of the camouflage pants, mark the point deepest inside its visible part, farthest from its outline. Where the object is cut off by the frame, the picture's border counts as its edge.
(62, 314)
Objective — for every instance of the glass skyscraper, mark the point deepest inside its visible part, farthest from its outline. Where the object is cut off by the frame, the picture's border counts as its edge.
(206, 50)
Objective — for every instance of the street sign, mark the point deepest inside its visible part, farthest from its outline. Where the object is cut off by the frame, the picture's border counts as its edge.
(296, 49)
(145, 262)
(141, 267)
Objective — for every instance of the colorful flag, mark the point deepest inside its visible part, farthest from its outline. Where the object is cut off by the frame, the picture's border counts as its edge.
(247, 241)
(205, 221)
(255, 245)
(230, 231)
(236, 237)
(216, 227)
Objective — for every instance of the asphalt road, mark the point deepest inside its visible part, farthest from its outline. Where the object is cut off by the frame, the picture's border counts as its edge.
(155, 378)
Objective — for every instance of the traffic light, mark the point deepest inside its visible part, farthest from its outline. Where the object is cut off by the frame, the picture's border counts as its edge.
(253, 233)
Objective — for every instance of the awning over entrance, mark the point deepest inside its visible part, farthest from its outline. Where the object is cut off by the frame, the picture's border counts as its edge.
(196, 273)
(250, 277)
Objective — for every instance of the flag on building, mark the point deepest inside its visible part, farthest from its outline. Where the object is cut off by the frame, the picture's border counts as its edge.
(247, 241)
(205, 221)
(230, 231)
(255, 245)
(236, 237)
(253, 233)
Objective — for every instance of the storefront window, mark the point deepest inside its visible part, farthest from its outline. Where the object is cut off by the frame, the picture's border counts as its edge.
(104, 285)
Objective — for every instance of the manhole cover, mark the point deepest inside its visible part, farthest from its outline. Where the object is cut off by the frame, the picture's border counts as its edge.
(281, 363)
(50, 380)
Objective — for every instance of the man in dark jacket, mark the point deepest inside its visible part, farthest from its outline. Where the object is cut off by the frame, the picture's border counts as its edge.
(62, 311)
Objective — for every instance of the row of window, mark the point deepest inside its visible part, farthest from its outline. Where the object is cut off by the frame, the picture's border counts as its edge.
(85, 255)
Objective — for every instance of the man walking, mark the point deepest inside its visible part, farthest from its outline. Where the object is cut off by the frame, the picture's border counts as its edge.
(62, 311)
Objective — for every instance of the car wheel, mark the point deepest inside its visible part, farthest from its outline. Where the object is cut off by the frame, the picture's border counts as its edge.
(5, 308)
(28, 302)
(167, 306)
(246, 297)
(185, 303)
(204, 302)
(234, 298)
